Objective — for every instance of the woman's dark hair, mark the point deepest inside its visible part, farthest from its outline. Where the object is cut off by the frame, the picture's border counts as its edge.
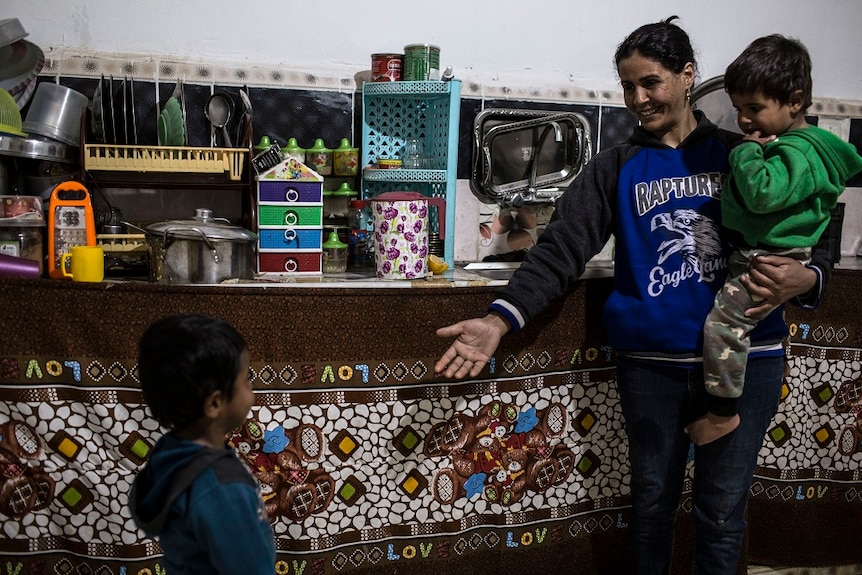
(182, 359)
(773, 65)
(663, 42)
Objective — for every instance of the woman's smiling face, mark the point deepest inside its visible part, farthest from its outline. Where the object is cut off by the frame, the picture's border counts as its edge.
(657, 96)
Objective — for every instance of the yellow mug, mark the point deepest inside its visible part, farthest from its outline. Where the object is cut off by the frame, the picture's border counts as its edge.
(88, 264)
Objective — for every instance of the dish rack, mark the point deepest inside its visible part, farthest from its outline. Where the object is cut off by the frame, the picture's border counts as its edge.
(122, 243)
(165, 159)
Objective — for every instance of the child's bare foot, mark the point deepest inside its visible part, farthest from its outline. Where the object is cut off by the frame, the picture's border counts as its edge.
(710, 427)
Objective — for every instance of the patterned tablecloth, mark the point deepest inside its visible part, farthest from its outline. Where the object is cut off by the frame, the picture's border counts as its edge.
(367, 461)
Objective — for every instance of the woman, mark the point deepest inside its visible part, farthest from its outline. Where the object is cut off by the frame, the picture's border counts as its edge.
(658, 194)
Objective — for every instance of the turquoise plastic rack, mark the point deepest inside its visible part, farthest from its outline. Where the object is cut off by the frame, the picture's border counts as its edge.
(395, 112)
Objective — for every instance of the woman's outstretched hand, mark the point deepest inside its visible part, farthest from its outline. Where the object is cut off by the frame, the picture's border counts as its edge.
(476, 341)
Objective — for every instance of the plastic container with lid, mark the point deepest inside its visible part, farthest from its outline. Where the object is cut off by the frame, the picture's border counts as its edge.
(336, 202)
(319, 158)
(293, 150)
(263, 145)
(345, 159)
(334, 255)
(21, 227)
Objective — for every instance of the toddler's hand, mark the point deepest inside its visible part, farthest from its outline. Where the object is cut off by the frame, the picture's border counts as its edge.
(757, 136)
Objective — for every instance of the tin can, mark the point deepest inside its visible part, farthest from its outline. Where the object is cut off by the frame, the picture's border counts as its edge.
(421, 62)
(385, 67)
(388, 163)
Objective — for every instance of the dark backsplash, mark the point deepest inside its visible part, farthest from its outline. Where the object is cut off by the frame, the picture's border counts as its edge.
(283, 113)
(308, 114)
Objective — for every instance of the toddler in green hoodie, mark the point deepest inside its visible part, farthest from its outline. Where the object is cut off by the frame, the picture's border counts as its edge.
(786, 176)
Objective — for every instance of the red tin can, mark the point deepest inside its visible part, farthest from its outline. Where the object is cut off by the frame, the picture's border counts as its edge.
(386, 67)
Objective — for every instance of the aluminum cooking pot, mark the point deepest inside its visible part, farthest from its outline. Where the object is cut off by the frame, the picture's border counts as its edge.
(202, 250)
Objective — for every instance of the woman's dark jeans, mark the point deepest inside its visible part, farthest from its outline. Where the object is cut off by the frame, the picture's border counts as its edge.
(658, 401)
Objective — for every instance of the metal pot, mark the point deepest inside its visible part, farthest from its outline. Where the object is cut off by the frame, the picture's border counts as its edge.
(202, 250)
(55, 113)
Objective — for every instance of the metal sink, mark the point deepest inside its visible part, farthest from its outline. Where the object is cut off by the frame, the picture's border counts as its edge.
(596, 268)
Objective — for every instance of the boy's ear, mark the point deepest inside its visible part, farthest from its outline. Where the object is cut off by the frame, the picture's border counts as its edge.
(796, 101)
(213, 404)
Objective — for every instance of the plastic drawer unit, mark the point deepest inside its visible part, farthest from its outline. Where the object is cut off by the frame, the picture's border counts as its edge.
(290, 219)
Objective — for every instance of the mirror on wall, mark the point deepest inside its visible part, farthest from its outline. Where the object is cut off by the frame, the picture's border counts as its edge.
(527, 156)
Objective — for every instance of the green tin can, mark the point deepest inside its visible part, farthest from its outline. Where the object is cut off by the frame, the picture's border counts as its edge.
(421, 62)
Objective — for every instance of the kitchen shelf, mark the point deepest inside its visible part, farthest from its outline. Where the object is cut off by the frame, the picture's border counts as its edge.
(404, 175)
(410, 88)
(392, 114)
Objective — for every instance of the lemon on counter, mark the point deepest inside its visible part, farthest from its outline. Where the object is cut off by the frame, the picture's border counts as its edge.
(436, 264)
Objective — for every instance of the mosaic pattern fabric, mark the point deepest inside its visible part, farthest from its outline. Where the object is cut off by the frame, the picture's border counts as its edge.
(367, 461)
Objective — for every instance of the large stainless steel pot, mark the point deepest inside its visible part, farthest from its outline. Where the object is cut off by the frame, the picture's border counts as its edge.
(202, 250)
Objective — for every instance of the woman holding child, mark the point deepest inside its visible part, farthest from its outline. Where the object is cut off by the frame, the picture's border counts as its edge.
(658, 194)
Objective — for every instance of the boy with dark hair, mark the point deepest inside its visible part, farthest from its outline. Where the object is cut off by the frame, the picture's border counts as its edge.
(194, 494)
(785, 177)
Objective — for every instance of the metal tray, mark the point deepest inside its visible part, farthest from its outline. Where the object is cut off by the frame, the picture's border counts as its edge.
(527, 156)
(38, 149)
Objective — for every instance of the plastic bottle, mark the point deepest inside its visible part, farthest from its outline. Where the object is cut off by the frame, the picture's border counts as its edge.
(334, 255)
(358, 254)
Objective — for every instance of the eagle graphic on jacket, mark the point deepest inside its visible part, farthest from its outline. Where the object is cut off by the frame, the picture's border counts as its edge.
(688, 233)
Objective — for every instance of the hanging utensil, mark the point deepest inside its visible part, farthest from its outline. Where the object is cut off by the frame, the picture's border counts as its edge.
(219, 110)
(244, 125)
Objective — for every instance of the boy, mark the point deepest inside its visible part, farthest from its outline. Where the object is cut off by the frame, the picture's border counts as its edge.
(785, 178)
(194, 494)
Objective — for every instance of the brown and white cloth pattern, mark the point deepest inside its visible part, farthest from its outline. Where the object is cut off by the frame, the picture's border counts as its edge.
(367, 461)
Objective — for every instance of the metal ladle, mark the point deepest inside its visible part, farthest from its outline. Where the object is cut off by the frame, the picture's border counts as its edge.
(218, 111)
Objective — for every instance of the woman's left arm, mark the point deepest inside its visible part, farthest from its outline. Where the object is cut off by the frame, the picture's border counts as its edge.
(778, 279)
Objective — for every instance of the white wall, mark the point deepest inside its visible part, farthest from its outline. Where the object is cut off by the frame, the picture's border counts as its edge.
(531, 43)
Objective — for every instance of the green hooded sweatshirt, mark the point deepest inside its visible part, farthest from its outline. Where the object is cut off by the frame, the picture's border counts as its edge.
(780, 195)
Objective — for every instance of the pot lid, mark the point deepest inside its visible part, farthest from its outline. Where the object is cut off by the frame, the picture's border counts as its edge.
(399, 196)
(202, 224)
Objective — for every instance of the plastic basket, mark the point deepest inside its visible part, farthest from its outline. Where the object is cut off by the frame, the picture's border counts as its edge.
(390, 120)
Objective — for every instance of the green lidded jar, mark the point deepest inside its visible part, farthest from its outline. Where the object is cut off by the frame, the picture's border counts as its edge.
(337, 202)
(334, 254)
(345, 159)
(263, 145)
(293, 150)
(319, 158)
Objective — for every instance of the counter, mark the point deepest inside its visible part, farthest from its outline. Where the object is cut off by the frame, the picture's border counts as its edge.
(385, 458)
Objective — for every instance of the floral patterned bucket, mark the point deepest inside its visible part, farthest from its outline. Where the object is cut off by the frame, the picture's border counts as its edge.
(401, 233)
